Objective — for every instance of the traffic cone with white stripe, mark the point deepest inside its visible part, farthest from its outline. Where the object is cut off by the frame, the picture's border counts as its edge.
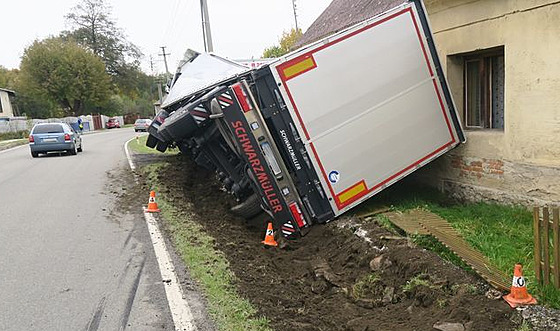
(152, 204)
(269, 236)
(519, 295)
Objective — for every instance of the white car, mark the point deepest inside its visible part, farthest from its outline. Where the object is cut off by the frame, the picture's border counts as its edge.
(142, 124)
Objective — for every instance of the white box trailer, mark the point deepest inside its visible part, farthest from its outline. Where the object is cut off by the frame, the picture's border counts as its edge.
(322, 129)
(370, 104)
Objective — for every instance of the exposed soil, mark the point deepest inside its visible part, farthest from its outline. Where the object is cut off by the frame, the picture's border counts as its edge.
(332, 279)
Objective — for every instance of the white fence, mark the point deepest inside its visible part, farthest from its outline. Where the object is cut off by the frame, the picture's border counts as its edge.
(16, 124)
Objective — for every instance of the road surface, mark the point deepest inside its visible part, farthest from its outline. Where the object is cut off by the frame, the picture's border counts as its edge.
(71, 257)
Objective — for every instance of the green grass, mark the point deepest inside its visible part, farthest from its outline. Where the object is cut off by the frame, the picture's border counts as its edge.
(503, 233)
(138, 145)
(5, 144)
(208, 267)
(418, 280)
(365, 286)
(14, 135)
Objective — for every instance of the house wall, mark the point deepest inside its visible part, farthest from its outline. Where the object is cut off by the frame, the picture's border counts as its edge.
(6, 109)
(520, 164)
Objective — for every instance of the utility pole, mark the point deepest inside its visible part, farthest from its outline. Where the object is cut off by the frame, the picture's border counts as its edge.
(295, 13)
(165, 59)
(206, 34)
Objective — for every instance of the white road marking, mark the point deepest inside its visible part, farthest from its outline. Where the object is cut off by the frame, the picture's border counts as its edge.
(180, 309)
(12, 148)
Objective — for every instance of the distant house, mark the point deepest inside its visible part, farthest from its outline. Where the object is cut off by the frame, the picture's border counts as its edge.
(502, 65)
(6, 109)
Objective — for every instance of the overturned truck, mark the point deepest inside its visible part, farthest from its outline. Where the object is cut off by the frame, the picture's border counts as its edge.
(314, 133)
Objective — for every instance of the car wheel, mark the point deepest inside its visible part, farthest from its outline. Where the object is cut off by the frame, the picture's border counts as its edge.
(34, 154)
(73, 150)
(80, 148)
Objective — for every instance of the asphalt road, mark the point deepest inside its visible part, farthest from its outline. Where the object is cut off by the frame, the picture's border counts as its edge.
(72, 257)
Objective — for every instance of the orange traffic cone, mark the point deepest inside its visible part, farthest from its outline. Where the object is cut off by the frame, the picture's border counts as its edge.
(519, 295)
(269, 237)
(152, 204)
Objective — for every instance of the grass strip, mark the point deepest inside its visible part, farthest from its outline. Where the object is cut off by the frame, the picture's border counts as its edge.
(138, 145)
(504, 234)
(7, 144)
(14, 135)
(207, 266)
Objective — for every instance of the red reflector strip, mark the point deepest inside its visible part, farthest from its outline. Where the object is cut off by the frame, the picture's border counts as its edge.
(288, 229)
(296, 213)
(242, 97)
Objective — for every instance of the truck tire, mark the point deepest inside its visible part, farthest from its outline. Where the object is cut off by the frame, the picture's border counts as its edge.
(249, 208)
(161, 146)
(151, 141)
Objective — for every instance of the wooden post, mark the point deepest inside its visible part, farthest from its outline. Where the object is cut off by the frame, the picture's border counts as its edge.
(537, 239)
(556, 230)
(546, 243)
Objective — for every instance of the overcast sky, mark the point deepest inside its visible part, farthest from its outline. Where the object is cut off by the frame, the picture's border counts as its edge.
(241, 29)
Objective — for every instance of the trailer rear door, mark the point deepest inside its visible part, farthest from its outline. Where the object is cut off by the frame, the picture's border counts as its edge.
(369, 104)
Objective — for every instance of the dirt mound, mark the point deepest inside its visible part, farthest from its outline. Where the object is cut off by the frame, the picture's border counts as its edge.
(331, 279)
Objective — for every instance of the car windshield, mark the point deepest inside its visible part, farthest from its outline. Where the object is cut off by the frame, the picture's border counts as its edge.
(48, 128)
(140, 121)
(112, 120)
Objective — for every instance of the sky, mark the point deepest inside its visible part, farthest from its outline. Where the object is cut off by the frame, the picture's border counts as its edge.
(241, 29)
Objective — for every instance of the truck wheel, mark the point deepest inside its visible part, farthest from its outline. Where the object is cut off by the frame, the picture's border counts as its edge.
(161, 146)
(248, 208)
(151, 141)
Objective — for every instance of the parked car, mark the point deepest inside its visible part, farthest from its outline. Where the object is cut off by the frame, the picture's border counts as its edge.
(142, 124)
(113, 123)
(54, 137)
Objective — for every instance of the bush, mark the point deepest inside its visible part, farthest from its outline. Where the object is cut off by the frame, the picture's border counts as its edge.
(14, 135)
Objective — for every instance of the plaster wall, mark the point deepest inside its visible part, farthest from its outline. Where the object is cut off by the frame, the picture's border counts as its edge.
(529, 146)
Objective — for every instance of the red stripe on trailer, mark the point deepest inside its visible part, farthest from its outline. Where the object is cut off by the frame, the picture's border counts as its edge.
(288, 229)
(432, 74)
(280, 68)
(198, 113)
(226, 100)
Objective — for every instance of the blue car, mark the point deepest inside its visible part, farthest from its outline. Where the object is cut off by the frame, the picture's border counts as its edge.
(54, 137)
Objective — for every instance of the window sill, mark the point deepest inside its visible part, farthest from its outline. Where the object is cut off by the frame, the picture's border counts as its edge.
(488, 131)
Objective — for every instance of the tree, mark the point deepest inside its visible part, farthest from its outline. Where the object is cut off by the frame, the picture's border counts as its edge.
(96, 30)
(7, 78)
(63, 73)
(286, 43)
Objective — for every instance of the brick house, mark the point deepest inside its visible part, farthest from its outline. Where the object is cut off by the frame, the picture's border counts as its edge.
(501, 61)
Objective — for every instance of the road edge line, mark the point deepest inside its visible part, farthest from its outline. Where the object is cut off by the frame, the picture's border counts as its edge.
(178, 305)
(12, 148)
